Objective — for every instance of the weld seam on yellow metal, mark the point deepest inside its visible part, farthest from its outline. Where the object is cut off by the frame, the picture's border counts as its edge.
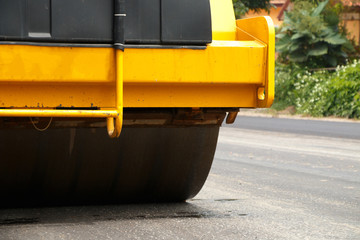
(255, 38)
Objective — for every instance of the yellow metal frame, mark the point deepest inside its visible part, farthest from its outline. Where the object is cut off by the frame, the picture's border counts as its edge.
(114, 116)
(261, 29)
(235, 70)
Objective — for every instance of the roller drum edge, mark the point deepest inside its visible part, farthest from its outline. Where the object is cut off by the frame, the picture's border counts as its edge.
(84, 166)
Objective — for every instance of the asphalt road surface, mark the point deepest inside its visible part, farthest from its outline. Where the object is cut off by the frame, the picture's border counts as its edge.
(271, 179)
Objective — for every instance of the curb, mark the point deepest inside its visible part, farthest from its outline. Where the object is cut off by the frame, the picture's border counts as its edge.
(256, 113)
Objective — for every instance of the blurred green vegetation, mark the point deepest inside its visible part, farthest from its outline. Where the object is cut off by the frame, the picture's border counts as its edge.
(321, 92)
(311, 36)
(316, 70)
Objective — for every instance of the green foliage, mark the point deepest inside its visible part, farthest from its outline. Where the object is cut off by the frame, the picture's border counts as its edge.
(286, 77)
(241, 7)
(320, 93)
(310, 36)
(341, 96)
(256, 5)
(309, 91)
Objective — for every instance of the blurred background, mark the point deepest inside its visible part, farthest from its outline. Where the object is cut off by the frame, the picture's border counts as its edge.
(317, 52)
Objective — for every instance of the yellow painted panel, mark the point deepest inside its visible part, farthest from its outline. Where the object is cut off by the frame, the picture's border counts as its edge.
(58, 95)
(189, 95)
(262, 28)
(222, 62)
(135, 95)
(56, 64)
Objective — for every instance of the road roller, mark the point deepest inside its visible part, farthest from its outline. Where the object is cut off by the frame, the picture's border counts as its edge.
(120, 101)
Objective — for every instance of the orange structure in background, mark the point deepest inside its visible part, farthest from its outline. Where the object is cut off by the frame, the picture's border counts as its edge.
(350, 16)
(274, 12)
(351, 19)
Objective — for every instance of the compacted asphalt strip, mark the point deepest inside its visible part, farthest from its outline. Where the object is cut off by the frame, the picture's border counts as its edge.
(272, 178)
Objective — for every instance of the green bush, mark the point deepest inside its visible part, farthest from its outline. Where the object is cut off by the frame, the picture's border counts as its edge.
(310, 36)
(343, 92)
(310, 92)
(241, 7)
(320, 93)
(286, 78)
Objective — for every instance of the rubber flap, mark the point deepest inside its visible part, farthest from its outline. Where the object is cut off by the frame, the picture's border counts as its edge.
(185, 21)
(181, 22)
(142, 21)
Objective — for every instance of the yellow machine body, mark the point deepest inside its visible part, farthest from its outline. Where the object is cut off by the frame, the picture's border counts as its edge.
(235, 70)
